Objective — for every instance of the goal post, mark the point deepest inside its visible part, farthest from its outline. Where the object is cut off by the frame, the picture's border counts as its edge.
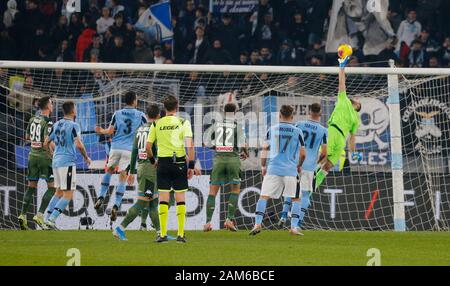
(401, 184)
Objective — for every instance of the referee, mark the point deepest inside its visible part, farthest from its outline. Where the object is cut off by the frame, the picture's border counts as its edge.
(173, 135)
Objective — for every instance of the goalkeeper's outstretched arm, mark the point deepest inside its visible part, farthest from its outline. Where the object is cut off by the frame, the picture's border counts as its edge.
(341, 80)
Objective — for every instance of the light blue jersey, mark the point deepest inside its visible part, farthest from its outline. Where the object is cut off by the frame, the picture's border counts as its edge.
(63, 135)
(126, 121)
(285, 141)
(314, 135)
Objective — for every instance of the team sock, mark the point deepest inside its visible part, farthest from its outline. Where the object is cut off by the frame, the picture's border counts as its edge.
(320, 176)
(304, 206)
(46, 199)
(27, 199)
(133, 212)
(210, 206)
(260, 210)
(286, 207)
(163, 212)
(181, 217)
(295, 214)
(105, 184)
(59, 208)
(51, 206)
(154, 214)
(232, 203)
(119, 194)
(144, 215)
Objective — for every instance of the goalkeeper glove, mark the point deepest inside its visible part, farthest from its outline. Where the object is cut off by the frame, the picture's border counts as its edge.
(343, 62)
(357, 156)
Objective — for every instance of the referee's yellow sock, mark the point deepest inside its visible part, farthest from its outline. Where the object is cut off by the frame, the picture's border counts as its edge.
(181, 216)
(163, 217)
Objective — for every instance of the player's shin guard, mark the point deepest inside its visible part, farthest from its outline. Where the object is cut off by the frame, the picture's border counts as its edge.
(27, 199)
(295, 214)
(163, 217)
(286, 207)
(181, 217)
(105, 184)
(210, 206)
(232, 204)
(46, 200)
(133, 212)
(154, 214)
(304, 206)
(59, 208)
(144, 215)
(119, 194)
(260, 210)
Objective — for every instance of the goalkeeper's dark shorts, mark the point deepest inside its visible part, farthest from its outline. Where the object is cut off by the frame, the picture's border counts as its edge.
(171, 174)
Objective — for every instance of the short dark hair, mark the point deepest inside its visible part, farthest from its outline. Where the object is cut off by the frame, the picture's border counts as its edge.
(130, 97)
(42, 103)
(153, 111)
(315, 108)
(230, 107)
(286, 111)
(170, 103)
(68, 107)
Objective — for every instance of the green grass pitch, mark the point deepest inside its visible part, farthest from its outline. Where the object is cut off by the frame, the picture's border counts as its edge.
(225, 248)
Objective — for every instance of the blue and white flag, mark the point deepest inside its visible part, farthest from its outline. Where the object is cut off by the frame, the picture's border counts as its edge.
(156, 21)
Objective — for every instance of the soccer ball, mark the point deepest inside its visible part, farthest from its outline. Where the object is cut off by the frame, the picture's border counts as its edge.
(344, 51)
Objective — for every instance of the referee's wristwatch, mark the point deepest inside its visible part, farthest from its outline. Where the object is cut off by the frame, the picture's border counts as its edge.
(191, 165)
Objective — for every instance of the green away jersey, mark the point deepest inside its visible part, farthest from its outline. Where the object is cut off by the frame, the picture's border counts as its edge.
(139, 153)
(38, 128)
(344, 116)
(227, 138)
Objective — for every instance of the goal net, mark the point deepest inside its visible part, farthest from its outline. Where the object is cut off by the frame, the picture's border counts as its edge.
(401, 183)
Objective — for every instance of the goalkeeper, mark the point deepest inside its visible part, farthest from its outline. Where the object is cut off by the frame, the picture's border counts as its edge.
(343, 121)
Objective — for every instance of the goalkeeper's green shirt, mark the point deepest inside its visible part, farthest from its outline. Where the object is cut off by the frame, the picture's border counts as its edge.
(344, 115)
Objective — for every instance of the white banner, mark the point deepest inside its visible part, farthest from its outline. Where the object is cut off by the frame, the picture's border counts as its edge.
(88, 186)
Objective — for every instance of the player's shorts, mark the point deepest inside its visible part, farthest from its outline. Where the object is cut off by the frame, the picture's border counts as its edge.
(146, 176)
(335, 145)
(39, 168)
(119, 158)
(274, 186)
(65, 177)
(226, 170)
(306, 181)
(172, 175)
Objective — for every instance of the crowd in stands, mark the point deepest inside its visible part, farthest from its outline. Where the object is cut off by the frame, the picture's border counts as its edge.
(277, 32)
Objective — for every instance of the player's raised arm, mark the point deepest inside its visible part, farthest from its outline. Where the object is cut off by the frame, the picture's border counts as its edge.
(342, 63)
